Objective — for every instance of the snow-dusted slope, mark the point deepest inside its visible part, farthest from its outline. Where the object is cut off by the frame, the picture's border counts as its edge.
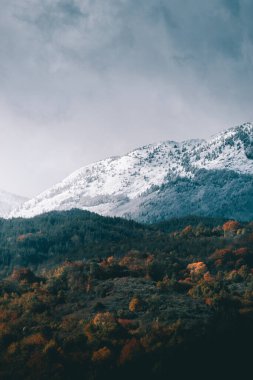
(8, 202)
(118, 185)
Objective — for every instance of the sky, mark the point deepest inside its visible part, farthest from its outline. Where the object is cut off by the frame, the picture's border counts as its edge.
(81, 80)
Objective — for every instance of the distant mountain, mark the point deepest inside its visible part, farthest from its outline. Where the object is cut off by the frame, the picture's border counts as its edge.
(163, 180)
(8, 202)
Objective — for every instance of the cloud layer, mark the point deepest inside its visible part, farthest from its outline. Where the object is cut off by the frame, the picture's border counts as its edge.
(84, 79)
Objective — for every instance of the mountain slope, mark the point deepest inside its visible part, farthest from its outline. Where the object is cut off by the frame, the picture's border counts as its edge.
(141, 184)
(8, 202)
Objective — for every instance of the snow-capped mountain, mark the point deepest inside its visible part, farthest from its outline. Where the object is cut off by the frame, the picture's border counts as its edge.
(161, 180)
(9, 202)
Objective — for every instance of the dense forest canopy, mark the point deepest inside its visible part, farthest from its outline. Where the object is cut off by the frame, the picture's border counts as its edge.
(87, 297)
(76, 234)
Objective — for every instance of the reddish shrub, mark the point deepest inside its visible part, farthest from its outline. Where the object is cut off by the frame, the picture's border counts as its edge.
(102, 355)
(130, 351)
(220, 254)
(34, 340)
(197, 268)
(231, 225)
(135, 304)
(241, 251)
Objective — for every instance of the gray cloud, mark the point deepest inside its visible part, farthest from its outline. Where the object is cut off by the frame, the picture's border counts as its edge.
(84, 79)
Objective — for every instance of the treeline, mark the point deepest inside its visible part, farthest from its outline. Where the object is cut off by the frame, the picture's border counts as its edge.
(54, 237)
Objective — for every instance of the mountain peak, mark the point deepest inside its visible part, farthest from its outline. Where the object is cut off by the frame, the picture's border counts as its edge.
(242, 132)
(240, 138)
(120, 185)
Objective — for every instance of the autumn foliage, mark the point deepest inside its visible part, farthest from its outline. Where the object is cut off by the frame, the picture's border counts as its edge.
(231, 225)
(136, 314)
(102, 355)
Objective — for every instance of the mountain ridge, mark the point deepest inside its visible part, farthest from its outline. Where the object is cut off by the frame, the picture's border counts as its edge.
(120, 186)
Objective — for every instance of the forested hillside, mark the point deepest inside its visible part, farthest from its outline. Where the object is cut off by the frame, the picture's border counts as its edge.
(109, 299)
(54, 237)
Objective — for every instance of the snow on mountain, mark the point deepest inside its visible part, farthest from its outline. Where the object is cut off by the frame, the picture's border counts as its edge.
(8, 202)
(119, 185)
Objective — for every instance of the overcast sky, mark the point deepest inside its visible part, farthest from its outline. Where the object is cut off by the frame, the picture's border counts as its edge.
(81, 80)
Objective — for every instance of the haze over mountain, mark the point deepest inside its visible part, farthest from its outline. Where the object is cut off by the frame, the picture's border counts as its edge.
(162, 180)
(8, 202)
